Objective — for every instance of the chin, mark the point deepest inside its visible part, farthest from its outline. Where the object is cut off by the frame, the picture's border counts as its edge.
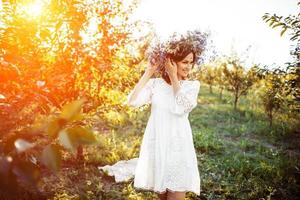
(184, 77)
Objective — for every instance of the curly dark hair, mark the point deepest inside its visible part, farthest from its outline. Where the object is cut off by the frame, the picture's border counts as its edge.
(177, 47)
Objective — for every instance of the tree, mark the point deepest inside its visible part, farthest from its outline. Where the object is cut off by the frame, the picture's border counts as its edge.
(238, 80)
(220, 77)
(271, 94)
(71, 49)
(208, 75)
(292, 83)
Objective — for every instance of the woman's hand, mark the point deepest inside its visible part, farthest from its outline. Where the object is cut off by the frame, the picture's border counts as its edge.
(171, 68)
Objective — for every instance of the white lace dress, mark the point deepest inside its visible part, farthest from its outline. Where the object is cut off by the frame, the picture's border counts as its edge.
(167, 158)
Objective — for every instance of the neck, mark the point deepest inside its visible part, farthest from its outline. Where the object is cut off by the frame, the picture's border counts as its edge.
(179, 77)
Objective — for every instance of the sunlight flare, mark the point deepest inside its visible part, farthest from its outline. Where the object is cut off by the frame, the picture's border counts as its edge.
(33, 9)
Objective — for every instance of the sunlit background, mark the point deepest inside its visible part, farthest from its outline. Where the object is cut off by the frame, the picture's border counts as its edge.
(234, 23)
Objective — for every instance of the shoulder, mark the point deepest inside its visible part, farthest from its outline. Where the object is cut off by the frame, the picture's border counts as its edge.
(151, 82)
(155, 80)
(194, 84)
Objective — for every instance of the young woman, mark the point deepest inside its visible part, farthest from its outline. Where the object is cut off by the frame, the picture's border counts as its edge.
(167, 162)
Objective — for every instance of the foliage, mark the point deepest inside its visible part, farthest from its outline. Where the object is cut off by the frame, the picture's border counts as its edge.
(271, 94)
(219, 79)
(237, 78)
(208, 75)
(292, 71)
(20, 163)
(55, 57)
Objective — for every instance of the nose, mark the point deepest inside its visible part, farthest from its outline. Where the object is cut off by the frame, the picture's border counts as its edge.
(189, 67)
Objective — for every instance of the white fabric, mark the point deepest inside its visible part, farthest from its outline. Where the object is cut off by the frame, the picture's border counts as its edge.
(122, 170)
(167, 158)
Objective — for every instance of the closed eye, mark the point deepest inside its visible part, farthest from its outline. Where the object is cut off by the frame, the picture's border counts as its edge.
(185, 62)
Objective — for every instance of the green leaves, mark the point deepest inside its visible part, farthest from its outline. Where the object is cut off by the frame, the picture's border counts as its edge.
(64, 132)
(84, 135)
(71, 138)
(291, 85)
(296, 36)
(290, 22)
(54, 126)
(72, 110)
(68, 140)
(51, 157)
(283, 31)
(236, 79)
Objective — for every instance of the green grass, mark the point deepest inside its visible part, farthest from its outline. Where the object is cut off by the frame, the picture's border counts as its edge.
(239, 155)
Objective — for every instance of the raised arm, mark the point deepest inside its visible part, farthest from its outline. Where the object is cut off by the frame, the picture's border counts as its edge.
(185, 99)
(142, 91)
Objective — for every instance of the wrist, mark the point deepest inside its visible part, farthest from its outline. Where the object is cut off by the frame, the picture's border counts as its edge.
(148, 73)
(173, 77)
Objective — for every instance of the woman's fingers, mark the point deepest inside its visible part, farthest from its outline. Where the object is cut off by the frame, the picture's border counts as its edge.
(152, 64)
(168, 64)
(171, 66)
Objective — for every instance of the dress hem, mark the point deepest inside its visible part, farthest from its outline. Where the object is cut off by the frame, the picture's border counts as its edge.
(151, 189)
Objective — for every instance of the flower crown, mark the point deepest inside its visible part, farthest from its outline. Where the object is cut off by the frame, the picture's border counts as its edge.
(192, 41)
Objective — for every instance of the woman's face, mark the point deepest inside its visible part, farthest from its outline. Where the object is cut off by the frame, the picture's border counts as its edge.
(184, 66)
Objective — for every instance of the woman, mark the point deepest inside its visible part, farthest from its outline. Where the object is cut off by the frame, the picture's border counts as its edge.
(167, 162)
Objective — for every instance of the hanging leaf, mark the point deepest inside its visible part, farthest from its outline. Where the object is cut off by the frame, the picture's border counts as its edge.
(295, 37)
(83, 135)
(72, 110)
(279, 24)
(68, 140)
(54, 127)
(51, 157)
(77, 117)
(282, 32)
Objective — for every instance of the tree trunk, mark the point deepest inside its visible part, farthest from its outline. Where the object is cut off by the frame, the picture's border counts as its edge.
(235, 101)
(270, 118)
(221, 93)
(210, 89)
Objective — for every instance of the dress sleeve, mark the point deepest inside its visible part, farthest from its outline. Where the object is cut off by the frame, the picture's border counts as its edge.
(144, 97)
(185, 100)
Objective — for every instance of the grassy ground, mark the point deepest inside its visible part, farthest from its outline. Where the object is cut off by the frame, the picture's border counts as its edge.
(239, 156)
